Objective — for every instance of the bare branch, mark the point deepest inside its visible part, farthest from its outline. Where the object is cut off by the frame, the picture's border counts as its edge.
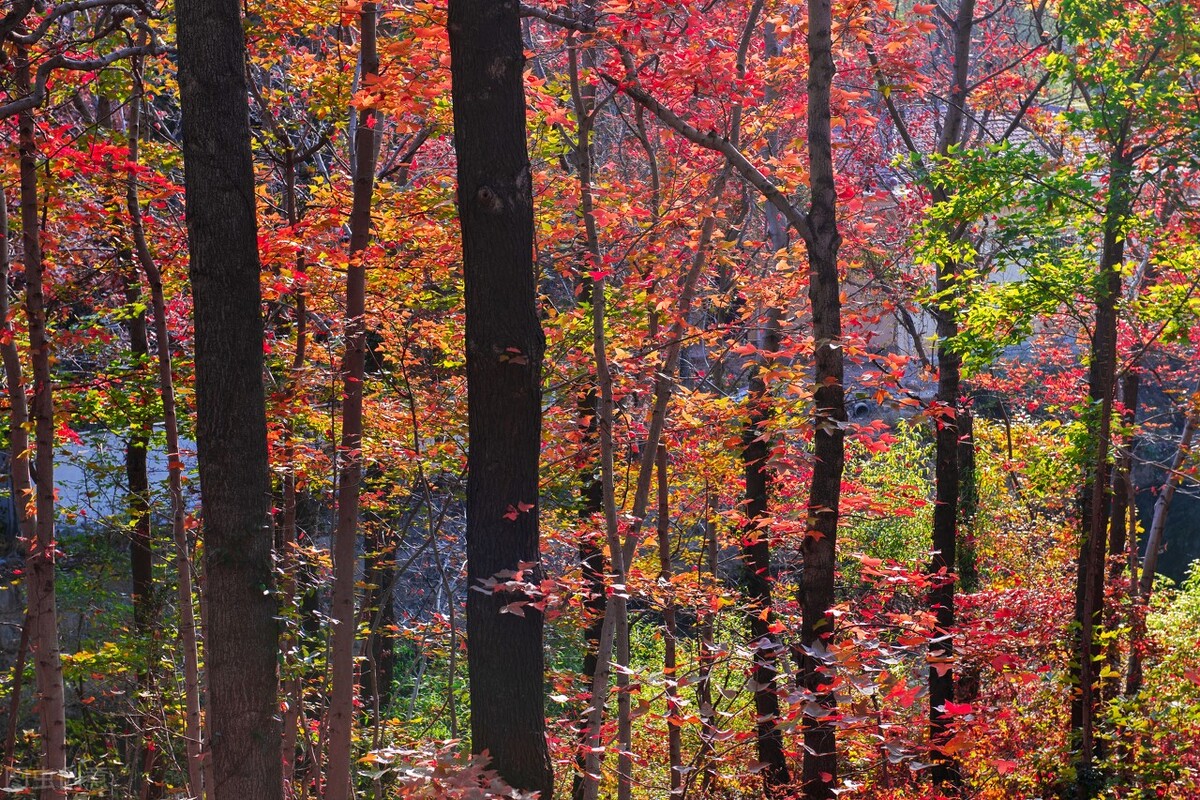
(712, 141)
(38, 94)
(561, 20)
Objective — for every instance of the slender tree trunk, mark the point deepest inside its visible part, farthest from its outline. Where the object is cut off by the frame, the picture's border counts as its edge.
(756, 546)
(1095, 502)
(947, 472)
(350, 472)
(820, 768)
(616, 616)
(242, 632)
(47, 660)
(594, 488)
(1162, 506)
(666, 571)
(756, 564)
(293, 682)
(141, 553)
(1123, 472)
(18, 440)
(1158, 524)
(706, 759)
(193, 732)
(504, 358)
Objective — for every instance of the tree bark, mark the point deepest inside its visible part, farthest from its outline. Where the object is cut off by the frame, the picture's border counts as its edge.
(1094, 500)
(756, 547)
(350, 472)
(18, 439)
(40, 558)
(504, 348)
(242, 632)
(822, 240)
(756, 561)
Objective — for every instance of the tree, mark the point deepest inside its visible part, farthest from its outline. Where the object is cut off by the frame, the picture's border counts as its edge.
(341, 712)
(504, 346)
(41, 547)
(242, 631)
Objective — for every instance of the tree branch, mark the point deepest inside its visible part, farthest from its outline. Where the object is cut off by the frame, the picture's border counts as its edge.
(38, 94)
(712, 141)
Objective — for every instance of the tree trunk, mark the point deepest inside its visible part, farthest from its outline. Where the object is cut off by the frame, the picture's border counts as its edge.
(350, 472)
(43, 613)
(504, 358)
(242, 631)
(594, 488)
(670, 634)
(193, 732)
(1094, 500)
(18, 440)
(1163, 505)
(756, 546)
(829, 413)
(756, 561)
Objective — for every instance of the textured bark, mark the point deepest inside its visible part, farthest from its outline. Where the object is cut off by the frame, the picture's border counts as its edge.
(242, 632)
(759, 477)
(822, 240)
(504, 344)
(350, 466)
(947, 475)
(1094, 500)
(43, 613)
(756, 564)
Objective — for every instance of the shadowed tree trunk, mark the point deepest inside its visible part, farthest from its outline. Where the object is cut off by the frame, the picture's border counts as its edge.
(756, 555)
(504, 347)
(756, 548)
(1095, 502)
(822, 241)
(350, 472)
(235, 498)
(43, 612)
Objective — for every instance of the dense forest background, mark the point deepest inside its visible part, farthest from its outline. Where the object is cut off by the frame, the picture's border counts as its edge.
(596, 398)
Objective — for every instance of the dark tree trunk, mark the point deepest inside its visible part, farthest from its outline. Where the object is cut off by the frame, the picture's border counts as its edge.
(1123, 477)
(968, 497)
(829, 413)
(141, 554)
(947, 472)
(40, 557)
(670, 628)
(504, 358)
(1094, 500)
(756, 565)
(945, 534)
(345, 553)
(242, 634)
